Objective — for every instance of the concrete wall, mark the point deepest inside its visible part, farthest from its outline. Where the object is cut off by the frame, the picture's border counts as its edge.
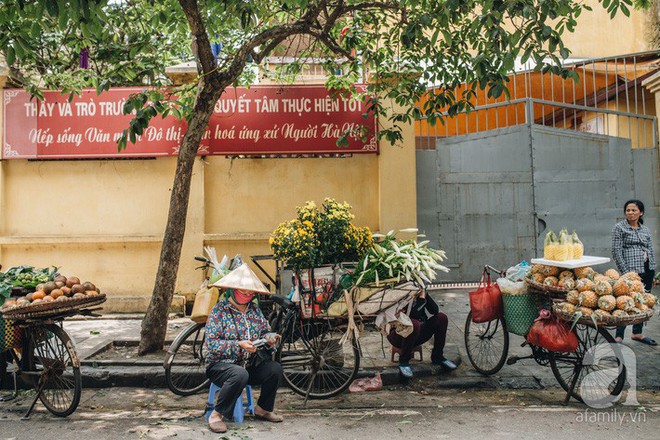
(103, 220)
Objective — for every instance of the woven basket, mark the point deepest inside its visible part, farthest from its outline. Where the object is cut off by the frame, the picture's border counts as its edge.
(520, 311)
(43, 310)
(10, 336)
(607, 320)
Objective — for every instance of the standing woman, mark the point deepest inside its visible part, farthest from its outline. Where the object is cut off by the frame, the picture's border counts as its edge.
(632, 249)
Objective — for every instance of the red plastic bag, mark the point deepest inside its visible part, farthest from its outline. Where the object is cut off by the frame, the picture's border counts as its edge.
(366, 384)
(486, 301)
(552, 334)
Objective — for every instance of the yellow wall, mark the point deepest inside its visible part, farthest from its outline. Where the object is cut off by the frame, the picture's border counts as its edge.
(103, 220)
(597, 35)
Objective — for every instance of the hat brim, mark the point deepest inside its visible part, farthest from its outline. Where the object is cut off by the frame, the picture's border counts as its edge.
(242, 278)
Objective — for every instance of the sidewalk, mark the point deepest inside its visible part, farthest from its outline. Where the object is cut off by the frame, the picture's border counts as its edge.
(118, 367)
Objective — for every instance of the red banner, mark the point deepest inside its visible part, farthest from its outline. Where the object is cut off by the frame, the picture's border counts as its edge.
(261, 120)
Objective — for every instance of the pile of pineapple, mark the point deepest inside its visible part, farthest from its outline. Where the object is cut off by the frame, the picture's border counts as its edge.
(601, 295)
(565, 247)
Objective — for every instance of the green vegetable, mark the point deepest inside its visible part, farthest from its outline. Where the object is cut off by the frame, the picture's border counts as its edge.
(24, 277)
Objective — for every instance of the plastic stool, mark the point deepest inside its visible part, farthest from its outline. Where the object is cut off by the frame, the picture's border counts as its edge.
(240, 408)
(417, 349)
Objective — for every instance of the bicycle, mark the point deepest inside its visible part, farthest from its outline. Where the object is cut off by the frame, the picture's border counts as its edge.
(487, 346)
(316, 365)
(47, 361)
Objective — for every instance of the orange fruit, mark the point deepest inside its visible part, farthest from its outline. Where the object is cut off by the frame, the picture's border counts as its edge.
(56, 293)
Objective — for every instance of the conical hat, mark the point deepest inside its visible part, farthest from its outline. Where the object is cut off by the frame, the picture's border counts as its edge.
(242, 278)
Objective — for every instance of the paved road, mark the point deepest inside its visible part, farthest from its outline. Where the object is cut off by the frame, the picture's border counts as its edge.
(421, 411)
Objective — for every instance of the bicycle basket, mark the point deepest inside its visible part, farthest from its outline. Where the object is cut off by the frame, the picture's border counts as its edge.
(10, 336)
(520, 311)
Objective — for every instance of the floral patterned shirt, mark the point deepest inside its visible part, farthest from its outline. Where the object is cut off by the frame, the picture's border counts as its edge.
(227, 326)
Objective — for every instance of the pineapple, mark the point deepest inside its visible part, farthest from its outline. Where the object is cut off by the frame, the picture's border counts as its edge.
(573, 297)
(550, 246)
(584, 284)
(566, 283)
(585, 311)
(612, 274)
(582, 272)
(649, 300)
(618, 313)
(621, 287)
(550, 281)
(631, 276)
(578, 247)
(537, 268)
(643, 307)
(638, 298)
(637, 286)
(607, 302)
(538, 277)
(602, 287)
(565, 249)
(567, 308)
(601, 315)
(566, 274)
(634, 311)
(625, 303)
(551, 271)
(588, 299)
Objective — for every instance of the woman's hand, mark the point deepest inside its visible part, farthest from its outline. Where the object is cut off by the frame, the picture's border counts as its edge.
(272, 338)
(422, 295)
(247, 346)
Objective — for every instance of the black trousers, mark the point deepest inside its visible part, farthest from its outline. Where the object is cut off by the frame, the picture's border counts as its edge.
(233, 378)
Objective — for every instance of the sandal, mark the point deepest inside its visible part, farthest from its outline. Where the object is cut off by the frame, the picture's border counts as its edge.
(645, 340)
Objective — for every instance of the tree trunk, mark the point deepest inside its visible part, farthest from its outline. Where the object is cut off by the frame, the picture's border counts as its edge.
(154, 324)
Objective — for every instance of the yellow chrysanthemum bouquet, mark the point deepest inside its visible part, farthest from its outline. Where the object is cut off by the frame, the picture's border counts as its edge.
(319, 236)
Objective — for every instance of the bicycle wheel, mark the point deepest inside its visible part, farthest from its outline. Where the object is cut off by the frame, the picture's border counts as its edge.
(185, 372)
(487, 344)
(596, 368)
(315, 363)
(55, 368)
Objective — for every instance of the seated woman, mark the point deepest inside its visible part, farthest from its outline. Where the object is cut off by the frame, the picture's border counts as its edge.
(427, 321)
(234, 324)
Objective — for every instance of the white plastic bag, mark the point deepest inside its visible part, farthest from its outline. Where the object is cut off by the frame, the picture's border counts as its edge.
(513, 283)
(518, 272)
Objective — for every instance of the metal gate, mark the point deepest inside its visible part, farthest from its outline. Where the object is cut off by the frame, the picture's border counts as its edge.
(489, 197)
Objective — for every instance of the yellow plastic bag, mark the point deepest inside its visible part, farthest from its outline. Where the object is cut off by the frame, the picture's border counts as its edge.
(205, 299)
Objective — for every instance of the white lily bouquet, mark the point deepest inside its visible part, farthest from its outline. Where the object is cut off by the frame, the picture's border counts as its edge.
(397, 260)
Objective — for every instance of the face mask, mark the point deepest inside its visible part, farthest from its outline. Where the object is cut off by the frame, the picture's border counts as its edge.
(242, 297)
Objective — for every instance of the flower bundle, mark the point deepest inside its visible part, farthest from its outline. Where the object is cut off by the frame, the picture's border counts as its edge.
(320, 236)
(400, 259)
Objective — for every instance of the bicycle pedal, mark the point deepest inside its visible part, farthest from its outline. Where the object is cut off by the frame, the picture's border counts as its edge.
(512, 360)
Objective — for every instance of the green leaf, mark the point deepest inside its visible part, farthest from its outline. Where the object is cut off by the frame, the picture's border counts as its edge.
(52, 8)
(11, 55)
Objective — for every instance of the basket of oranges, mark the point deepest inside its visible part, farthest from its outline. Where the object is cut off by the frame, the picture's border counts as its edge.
(54, 297)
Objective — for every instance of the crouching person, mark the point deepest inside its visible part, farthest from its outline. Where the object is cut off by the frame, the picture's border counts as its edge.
(232, 361)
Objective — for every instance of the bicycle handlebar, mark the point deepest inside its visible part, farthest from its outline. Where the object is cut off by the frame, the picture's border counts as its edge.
(284, 302)
(489, 268)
